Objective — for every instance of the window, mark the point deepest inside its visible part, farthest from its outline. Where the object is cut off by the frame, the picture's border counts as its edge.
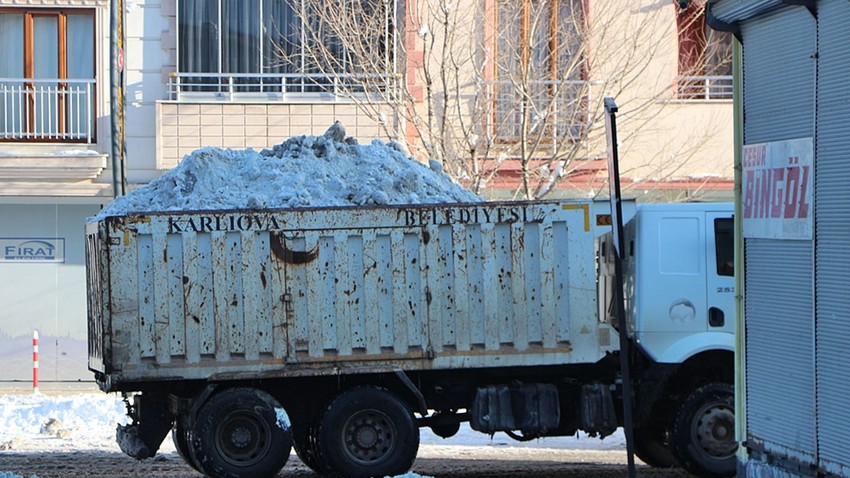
(724, 244)
(705, 58)
(278, 46)
(47, 75)
(539, 87)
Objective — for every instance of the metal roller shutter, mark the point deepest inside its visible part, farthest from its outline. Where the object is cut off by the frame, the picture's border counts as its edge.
(779, 284)
(832, 231)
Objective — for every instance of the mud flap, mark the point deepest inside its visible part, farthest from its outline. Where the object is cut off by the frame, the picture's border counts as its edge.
(128, 440)
(151, 423)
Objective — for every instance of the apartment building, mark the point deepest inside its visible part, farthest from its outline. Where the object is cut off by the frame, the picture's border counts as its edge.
(507, 94)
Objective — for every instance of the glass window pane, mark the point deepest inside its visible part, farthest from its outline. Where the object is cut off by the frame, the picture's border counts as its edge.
(12, 39)
(79, 96)
(80, 41)
(11, 66)
(45, 59)
(46, 44)
(724, 243)
(198, 31)
(281, 36)
(240, 36)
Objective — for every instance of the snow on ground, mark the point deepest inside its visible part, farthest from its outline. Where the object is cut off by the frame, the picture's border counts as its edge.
(39, 423)
(304, 171)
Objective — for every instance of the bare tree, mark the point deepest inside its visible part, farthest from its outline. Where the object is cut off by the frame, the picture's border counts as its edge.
(491, 88)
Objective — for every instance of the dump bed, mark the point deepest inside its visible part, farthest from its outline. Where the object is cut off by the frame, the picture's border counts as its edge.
(263, 293)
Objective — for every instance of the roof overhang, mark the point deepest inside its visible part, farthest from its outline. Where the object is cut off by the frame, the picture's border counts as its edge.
(726, 15)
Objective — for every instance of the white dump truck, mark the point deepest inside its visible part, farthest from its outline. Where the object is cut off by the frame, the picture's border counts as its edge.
(342, 331)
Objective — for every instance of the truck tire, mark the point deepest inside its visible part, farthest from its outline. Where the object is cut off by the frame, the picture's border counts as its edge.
(703, 435)
(306, 447)
(651, 446)
(182, 438)
(238, 433)
(368, 432)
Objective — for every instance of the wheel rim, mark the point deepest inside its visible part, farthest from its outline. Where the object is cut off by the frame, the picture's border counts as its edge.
(369, 437)
(242, 439)
(714, 430)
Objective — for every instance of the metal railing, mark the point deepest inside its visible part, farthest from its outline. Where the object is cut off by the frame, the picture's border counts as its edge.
(271, 87)
(48, 110)
(704, 88)
(558, 110)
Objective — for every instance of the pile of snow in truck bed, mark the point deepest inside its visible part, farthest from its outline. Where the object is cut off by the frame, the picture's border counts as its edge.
(304, 171)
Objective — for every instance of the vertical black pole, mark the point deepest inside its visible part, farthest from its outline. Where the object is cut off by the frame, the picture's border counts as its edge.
(617, 229)
(116, 95)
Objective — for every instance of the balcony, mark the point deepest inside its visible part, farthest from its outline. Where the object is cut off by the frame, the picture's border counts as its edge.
(47, 110)
(276, 87)
(554, 111)
(704, 88)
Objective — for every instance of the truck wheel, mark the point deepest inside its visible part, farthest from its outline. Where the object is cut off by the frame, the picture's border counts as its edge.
(240, 432)
(304, 442)
(651, 446)
(704, 432)
(368, 432)
(182, 438)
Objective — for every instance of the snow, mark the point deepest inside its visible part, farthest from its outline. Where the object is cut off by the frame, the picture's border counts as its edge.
(86, 421)
(304, 171)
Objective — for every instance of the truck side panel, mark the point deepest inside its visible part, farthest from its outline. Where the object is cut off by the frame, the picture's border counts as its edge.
(253, 293)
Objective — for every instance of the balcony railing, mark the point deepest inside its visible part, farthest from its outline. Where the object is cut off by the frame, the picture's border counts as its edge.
(553, 111)
(47, 110)
(704, 88)
(272, 87)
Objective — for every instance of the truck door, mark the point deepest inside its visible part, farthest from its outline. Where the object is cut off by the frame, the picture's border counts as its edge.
(720, 273)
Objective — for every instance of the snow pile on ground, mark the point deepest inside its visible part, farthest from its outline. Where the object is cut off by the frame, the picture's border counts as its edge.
(304, 171)
(9, 474)
(59, 423)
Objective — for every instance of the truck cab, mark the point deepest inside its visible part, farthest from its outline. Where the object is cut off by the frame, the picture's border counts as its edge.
(680, 281)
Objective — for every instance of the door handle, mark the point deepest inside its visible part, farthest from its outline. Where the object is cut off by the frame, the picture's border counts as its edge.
(716, 317)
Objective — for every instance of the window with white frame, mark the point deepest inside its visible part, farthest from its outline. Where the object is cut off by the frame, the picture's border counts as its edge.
(47, 75)
(279, 46)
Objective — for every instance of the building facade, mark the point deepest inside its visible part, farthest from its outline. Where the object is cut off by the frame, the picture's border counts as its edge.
(795, 234)
(508, 95)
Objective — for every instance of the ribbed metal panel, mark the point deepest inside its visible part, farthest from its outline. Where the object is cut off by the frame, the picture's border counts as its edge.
(780, 383)
(832, 226)
(730, 11)
(779, 74)
(202, 293)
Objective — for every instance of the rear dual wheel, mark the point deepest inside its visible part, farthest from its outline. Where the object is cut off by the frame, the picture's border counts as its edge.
(240, 432)
(306, 445)
(182, 437)
(367, 432)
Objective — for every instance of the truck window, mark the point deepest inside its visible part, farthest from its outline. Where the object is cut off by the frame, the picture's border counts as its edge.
(724, 245)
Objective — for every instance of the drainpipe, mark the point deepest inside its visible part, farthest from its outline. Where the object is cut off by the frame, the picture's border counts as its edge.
(740, 339)
(116, 89)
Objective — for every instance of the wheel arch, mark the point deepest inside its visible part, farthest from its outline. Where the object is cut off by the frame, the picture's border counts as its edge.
(664, 383)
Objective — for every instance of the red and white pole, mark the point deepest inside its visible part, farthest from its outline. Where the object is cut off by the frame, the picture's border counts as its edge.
(35, 361)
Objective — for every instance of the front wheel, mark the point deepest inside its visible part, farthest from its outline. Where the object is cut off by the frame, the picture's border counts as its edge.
(703, 437)
(241, 432)
(368, 432)
(651, 446)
